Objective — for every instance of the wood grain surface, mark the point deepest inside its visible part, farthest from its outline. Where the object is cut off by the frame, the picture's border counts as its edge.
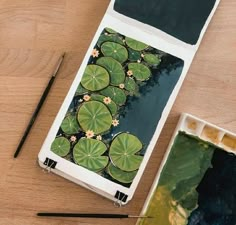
(33, 34)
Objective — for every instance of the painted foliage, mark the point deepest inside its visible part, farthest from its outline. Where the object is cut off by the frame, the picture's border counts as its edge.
(123, 92)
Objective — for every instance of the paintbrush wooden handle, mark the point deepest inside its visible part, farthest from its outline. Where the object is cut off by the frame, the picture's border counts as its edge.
(85, 215)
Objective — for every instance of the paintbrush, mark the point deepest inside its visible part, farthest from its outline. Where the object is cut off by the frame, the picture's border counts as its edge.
(41, 101)
(90, 215)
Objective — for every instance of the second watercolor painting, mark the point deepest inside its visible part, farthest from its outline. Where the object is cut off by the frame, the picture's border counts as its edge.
(117, 106)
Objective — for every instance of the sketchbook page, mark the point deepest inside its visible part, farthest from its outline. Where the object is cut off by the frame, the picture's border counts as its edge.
(179, 22)
(126, 76)
(126, 99)
(197, 171)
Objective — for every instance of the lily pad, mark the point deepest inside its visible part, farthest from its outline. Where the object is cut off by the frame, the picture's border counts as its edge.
(70, 125)
(114, 68)
(111, 31)
(123, 152)
(140, 71)
(89, 154)
(81, 90)
(130, 84)
(134, 55)
(94, 116)
(112, 106)
(120, 175)
(135, 45)
(60, 146)
(114, 50)
(112, 38)
(116, 94)
(152, 59)
(95, 78)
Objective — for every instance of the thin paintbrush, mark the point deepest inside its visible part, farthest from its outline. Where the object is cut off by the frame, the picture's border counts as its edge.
(89, 215)
(41, 101)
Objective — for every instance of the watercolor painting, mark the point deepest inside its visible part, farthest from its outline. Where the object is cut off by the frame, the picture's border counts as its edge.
(180, 18)
(117, 106)
(196, 186)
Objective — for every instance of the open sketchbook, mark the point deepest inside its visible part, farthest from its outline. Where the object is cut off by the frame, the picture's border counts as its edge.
(196, 181)
(111, 118)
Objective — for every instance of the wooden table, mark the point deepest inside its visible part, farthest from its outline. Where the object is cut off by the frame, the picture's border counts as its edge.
(33, 34)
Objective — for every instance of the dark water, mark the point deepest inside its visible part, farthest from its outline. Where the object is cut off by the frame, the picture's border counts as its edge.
(217, 193)
(183, 19)
(142, 114)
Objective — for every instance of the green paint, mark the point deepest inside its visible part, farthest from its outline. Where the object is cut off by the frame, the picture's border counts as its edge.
(114, 68)
(114, 50)
(130, 84)
(81, 90)
(95, 78)
(140, 71)
(135, 45)
(89, 154)
(176, 196)
(111, 106)
(134, 55)
(60, 146)
(152, 59)
(113, 38)
(94, 116)
(116, 94)
(124, 152)
(120, 175)
(70, 125)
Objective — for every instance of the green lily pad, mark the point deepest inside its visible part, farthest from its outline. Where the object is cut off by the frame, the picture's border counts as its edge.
(60, 146)
(123, 152)
(120, 175)
(152, 59)
(140, 71)
(111, 38)
(81, 90)
(114, 50)
(70, 125)
(95, 78)
(134, 55)
(116, 94)
(111, 31)
(88, 153)
(112, 106)
(130, 84)
(94, 116)
(114, 68)
(135, 45)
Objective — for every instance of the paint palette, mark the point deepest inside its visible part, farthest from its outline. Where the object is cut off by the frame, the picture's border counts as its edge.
(196, 181)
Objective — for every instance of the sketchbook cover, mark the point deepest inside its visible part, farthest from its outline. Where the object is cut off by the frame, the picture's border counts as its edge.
(117, 105)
